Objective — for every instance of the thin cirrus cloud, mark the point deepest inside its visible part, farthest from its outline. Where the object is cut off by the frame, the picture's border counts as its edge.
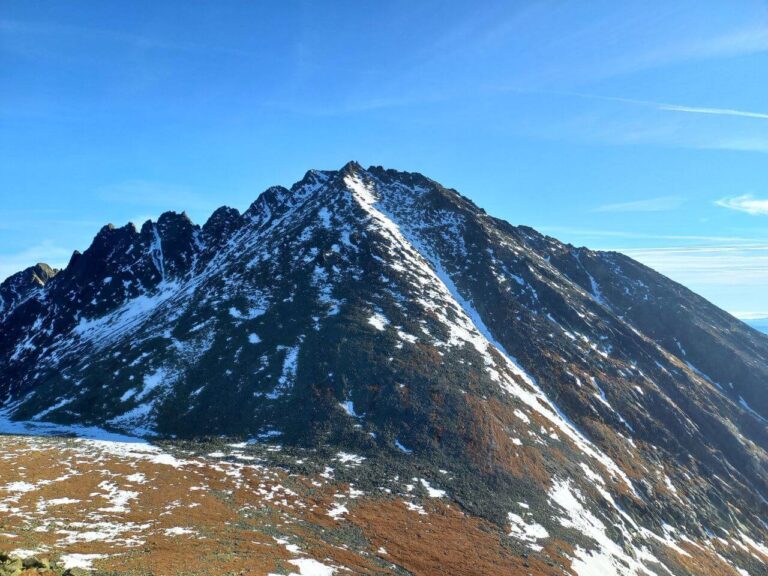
(729, 270)
(745, 203)
(748, 40)
(594, 233)
(669, 107)
(712, 111)
(679, 129)
(736, 274)
(707, 265)
(660, 204)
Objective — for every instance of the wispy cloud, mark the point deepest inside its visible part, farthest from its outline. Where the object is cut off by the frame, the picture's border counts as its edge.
(745, 203)
(712, 111)
(591, 233)
(731, 271)
(684, 43)
(751, 315)
(660, 204)
(748, 144)
(734, 277)
(695, 266)
(658, 124)
(668, 107)
(747, 40)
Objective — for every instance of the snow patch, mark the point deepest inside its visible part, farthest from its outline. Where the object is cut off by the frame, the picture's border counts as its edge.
(378, 321)
(309, 567)
(402, 448)
(529, 532)
(433, 492)
(82, 561)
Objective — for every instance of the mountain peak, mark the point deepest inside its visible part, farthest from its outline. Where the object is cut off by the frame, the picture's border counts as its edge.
(351, 167)
(376, 312)
(20, 286)
(38, 274)
(43, 272)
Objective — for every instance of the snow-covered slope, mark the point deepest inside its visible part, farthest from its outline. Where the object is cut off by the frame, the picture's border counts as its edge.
(379, 311)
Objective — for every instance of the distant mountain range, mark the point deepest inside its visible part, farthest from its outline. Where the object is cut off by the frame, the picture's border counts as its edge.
(378, 311)
(759, 324)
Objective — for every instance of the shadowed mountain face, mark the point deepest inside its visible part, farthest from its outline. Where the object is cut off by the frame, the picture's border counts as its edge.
(17, 288)
(379, 311)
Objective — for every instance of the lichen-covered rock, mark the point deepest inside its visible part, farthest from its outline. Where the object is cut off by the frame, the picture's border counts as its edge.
(36, 562)
(11, 566)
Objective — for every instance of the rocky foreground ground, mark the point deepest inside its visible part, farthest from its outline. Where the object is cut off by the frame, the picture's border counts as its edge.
(122, 508)
(70, 506)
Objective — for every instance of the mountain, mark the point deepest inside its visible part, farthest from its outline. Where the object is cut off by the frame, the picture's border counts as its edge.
(381, 313)
(17, 288)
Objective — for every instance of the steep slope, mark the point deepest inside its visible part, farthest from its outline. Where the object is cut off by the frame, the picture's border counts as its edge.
(381, 312)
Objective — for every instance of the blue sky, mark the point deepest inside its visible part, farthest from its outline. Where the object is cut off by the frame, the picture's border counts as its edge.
(636, 126)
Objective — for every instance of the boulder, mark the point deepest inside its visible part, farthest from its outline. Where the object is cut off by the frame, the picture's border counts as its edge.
(36, 562)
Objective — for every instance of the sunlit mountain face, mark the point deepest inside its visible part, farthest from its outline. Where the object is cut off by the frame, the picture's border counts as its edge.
(475, 377)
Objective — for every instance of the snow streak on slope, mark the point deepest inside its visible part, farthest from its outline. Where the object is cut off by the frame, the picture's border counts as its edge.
(609, 559)
(106, 329)
(379, 307)
(467, 325)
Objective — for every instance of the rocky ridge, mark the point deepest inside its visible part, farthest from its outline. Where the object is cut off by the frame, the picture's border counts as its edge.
(380, 312)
